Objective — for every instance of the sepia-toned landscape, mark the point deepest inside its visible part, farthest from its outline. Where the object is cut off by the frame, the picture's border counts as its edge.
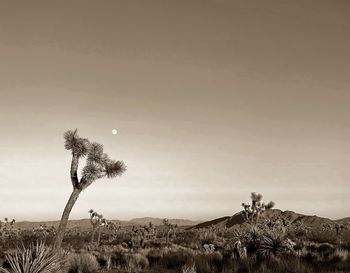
(259, 238)
(174, 136)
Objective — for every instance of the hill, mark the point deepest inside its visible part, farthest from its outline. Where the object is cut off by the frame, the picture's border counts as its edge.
(343, 220)
(290, 216)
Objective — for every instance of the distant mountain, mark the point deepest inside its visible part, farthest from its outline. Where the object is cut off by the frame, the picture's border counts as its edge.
(343, 220)
(292, 217)
(82, 223)
(85, 223)
(226, 221)
(159, 221)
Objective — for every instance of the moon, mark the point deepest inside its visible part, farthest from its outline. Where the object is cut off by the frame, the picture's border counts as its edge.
(114, 131)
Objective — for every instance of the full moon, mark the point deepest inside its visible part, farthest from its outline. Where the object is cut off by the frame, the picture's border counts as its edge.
(114, 131)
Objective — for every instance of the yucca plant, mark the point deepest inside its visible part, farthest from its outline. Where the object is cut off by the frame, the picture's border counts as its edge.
(98, 165)
(37, 258)
(252, 239)
(273, 243)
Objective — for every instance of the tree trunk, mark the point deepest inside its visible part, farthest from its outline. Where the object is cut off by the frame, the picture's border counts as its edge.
(93, 234)
(168, 237)
(65, 216)
(99, 236)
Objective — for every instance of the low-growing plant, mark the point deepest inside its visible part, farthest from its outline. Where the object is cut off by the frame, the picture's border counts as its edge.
(38, 258)
(176, 259)
(83, 263)
(189, 268)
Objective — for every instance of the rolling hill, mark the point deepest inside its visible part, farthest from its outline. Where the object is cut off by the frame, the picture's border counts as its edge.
(290, 216)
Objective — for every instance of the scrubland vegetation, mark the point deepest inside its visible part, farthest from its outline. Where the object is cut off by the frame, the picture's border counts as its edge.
(268, 245)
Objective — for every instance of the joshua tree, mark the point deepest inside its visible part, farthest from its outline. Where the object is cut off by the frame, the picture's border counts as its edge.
(98, 165)
(97, 221)
(170, 229)
(251, 213)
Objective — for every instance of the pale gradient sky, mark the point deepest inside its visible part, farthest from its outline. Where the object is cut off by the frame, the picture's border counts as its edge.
(212, 99)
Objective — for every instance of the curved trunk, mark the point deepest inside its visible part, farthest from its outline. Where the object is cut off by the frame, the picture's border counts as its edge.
(65, 216)
(168, 237)
(93, 234)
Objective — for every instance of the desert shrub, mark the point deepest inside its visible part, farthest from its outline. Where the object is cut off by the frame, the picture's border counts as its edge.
(189, 269)
(122, 237)
(187, 238)
(319, 253)
(137, 260)
(202, 263)
(77, 241)
(119, 259)
(83, 263)
(322, 236)
(104, 261)
(284, 264)
(341, 255)
(176, 259)
(34, 259)
(154, 256)
(297, 232)
(345, 239)
(207, 236)
(208, 263)
(244, 266)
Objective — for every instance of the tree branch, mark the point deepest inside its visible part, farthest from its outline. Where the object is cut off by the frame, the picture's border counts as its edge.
(74, 171)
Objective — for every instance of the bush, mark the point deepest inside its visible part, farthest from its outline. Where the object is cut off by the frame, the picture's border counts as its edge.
(187, 238)
(83, 263)
(323, 236)
(208, 263)
(189, 269)
(345, 239)
(176, 259)
(154, 256)
(137, 261)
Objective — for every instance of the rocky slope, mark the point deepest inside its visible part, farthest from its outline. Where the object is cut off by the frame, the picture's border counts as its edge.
(290, 216)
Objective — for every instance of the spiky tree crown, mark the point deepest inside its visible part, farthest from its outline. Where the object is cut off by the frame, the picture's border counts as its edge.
(97, 219)
(256, 197)
(79, 146)
(98, 164)
(251, 212)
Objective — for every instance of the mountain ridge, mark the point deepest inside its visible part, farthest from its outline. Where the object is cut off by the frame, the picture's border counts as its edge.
(291, 216)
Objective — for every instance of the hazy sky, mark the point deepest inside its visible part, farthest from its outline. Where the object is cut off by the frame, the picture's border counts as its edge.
(212, 99)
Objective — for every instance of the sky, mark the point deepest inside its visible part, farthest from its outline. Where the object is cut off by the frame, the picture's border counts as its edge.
(212, 100)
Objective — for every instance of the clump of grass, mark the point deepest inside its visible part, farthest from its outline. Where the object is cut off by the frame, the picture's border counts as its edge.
(154, 256)
(176, 259)
(207, 263)
(37, 258)
(137, 260)
(341, 254)
(189, 269)
(83, 263)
